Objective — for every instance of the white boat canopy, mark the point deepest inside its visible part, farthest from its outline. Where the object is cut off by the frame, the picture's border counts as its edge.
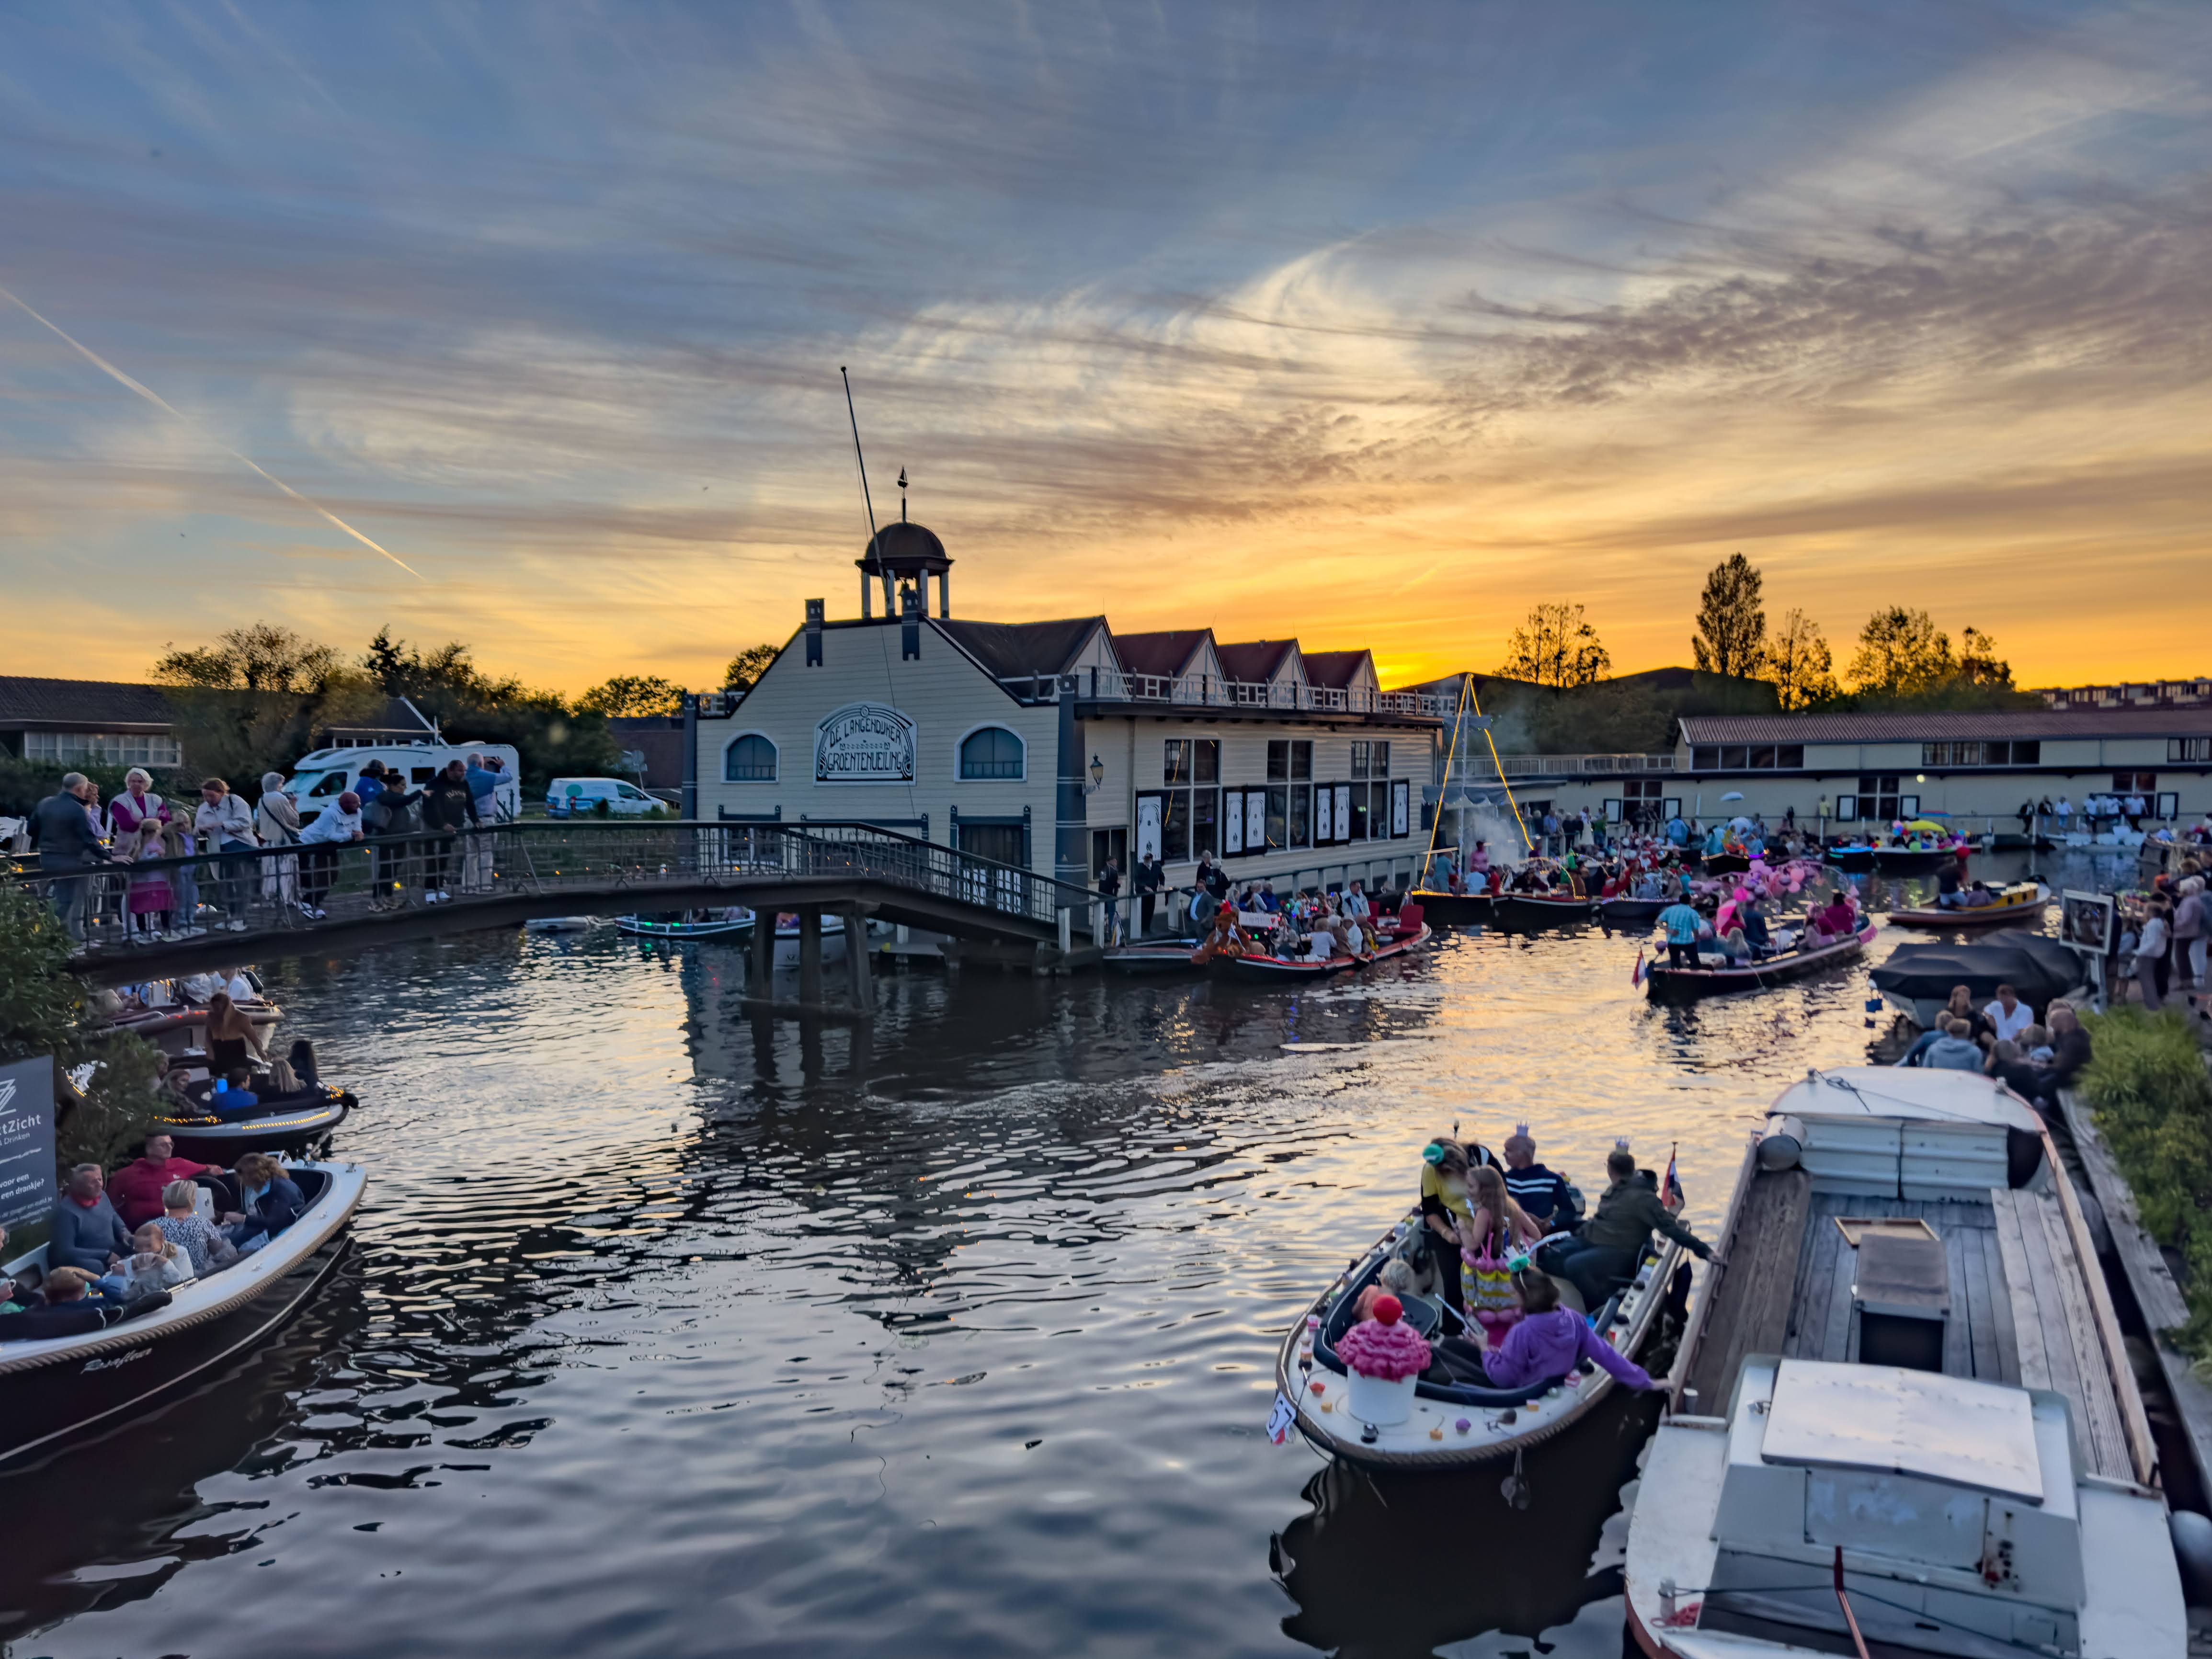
(1895, 1421)
(1907, 1093)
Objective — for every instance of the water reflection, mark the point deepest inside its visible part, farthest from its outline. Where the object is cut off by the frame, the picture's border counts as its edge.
(672, 1329)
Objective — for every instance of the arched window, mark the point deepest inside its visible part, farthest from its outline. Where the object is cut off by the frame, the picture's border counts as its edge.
(749, 759)
(991, 753)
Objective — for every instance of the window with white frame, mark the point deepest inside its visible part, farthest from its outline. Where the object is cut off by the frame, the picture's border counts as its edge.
(993, 752)
(104, 748)
(750, 759)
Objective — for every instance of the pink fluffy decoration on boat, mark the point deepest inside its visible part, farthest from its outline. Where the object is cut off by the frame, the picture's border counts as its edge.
(1381, 1348)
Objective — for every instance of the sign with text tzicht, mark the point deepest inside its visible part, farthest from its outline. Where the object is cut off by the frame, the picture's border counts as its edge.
(864, 743)
(26, 1141)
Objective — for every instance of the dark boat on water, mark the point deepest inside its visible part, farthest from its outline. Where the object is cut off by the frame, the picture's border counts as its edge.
(277, 1123)
(1531, 912)
(1629, 913)
(1726, 864)
(1163, 955)
(1454, 909)
(1851, 856)
(727, 922)
(1691, 984)
(1913, 861)
(53, 1388)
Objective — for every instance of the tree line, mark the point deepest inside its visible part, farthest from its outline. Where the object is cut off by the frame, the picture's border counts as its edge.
(1903, 659)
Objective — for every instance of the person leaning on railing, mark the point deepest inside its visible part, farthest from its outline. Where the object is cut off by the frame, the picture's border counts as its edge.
(339, 825)
(448, 808)
(67, 842)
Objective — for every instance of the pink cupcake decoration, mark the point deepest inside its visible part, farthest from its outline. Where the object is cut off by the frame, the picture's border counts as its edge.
(1381, 1348)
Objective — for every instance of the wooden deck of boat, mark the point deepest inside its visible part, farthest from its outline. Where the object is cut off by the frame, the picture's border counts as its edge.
(2020, 1312)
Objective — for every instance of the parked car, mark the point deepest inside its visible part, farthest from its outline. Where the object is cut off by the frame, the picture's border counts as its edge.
(320, 778)
(576, 797)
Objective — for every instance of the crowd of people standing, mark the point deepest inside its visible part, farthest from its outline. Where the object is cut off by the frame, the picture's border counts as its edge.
(161, 869)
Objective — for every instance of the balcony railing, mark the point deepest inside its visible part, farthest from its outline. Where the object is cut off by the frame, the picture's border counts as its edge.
(1293, 696)
(295, 889)
(1582, 766)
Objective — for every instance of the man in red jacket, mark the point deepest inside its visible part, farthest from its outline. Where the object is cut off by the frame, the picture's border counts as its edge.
(136, 1188)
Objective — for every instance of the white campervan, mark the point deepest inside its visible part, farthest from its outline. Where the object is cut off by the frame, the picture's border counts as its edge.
(320, 778)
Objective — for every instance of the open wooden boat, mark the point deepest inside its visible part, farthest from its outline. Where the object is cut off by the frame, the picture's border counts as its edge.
(1276, 970)
(1905, 1395)
(1452, 1425)
(1530, 912)
(1454, 909)
(1689, 984)
(52, 1387)
(2018, 906)
(1395, 944)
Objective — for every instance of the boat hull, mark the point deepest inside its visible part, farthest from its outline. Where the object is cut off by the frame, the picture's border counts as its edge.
(58, 1389)
(647, 927)
(287, 1129)
(1694, 984)
(1726, 864)
(1629, 913)
(1454, 909)
(1523, 913)
(1988, 915)
(1913, 861)
(1849, 857)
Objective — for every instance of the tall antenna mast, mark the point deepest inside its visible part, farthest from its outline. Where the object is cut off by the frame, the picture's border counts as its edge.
(874, 545)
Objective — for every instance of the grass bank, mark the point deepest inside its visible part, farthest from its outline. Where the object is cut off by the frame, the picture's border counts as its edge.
(2152, 1098)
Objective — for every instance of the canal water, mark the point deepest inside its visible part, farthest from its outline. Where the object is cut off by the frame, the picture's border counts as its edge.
(673, 1331)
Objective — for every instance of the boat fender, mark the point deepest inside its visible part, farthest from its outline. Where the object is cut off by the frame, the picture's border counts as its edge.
(2192, 1551)
(1782, 1144)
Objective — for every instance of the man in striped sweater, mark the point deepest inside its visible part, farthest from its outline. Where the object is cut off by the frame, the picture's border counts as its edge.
(1543, 1194)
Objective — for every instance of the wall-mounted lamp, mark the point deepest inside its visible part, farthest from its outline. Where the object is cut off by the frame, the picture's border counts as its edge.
(1097, 775)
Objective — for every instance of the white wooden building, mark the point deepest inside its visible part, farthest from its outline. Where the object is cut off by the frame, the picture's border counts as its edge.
(1056, 745)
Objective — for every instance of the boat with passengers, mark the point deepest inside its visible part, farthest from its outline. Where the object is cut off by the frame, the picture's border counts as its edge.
(105, 1360)
(2015, 904)
(1904, 1420)
(721, 921)
(1432, 1418)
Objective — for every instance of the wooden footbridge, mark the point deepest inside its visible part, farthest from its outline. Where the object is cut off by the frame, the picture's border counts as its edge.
(332, 900)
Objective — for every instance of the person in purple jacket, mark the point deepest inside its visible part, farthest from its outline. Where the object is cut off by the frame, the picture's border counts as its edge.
(1550, 1340)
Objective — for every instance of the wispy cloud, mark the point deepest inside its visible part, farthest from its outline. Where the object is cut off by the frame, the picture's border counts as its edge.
(1374, 334)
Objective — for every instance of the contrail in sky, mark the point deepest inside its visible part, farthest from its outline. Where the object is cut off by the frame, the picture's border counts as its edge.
(163, 404)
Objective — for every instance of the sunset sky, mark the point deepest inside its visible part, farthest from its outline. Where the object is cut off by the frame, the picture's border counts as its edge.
(1373, 324)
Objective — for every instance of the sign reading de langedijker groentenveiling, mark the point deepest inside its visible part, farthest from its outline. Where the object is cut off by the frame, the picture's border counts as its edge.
(864, 743)
(26, 1141)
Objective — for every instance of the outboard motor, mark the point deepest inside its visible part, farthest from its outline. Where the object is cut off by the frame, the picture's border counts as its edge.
(302, 1058)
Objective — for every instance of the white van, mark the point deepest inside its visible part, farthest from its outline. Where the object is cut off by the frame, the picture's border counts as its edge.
(580, 797)
(318, 779)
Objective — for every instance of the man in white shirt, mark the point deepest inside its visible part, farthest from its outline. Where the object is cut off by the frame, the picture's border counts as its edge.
(1355, 902)
(224, 824)
(2008, 1016)
(2065, 815)
(339, 825)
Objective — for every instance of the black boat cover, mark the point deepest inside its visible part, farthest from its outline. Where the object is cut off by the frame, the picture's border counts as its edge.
(2038, 967)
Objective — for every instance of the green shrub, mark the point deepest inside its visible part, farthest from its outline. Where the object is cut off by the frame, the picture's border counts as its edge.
(2152, 1098)
(45, 1009)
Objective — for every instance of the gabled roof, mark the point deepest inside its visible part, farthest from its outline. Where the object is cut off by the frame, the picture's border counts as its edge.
(1939, 727)
(1016, 650)
(1337, 669)
(81, 705)
(1254, 661)
(1165, 654)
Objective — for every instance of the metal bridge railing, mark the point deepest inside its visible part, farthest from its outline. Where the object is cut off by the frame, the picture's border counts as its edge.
(297, 889)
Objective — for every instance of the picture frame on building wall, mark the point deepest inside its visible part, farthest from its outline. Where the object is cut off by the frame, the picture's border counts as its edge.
(2085, 923)
(1401, 807)
(1148, 825)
